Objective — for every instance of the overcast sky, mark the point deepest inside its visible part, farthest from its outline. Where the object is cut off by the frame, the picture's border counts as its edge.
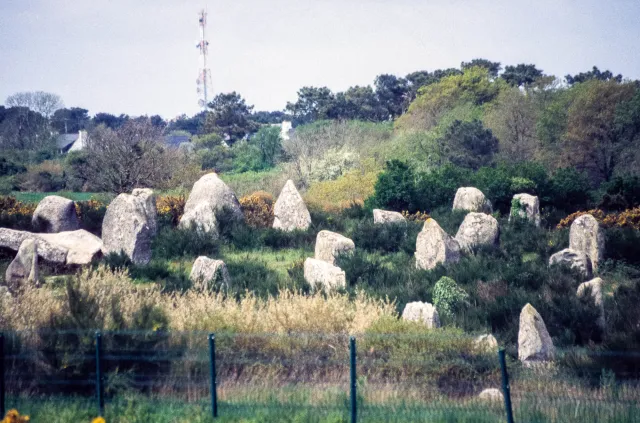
(140, 57)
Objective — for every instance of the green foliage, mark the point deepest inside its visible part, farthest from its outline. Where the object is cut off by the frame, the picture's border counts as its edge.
(390, 237)
(218, 159)
(570, 190)
(468, 144)
(395, 188)
(521, 74)
(448, 297)
(173, 243)
(8, 167)
(622, 193)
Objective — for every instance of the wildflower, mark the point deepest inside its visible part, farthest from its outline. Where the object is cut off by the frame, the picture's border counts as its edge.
(14, 417)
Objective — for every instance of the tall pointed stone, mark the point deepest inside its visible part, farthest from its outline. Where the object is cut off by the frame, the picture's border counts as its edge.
(290, 212)
(526, 206)
(587, 236)
(24, 268)
(126, 228)
(434, 246)
(534, 342)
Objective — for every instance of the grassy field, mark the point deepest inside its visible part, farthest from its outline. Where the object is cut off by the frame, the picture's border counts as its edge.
(35, 197)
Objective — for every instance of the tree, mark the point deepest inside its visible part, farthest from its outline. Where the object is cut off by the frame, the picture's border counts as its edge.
(265, 117)
(594, 73)
(391, 92)
(521, 74)
(131, 156)
(67, 121)
(419, 79)
(395, 187)
(469, 145)
(493, 67)
(109, 120)
(38, 101)
(593, 141)
(269, 143)
(194, 125)
(23, 129)
(313, 104)
(359, 103)
(230, 116)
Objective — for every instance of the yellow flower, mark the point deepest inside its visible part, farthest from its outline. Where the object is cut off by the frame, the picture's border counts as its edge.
(98, 420)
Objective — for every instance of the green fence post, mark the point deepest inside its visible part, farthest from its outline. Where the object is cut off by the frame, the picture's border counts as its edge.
(506, 389)
(212, 367)
(2, 404)
(99, 381)
(354, 402)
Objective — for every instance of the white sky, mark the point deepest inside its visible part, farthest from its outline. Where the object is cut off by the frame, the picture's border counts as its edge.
(140, 56)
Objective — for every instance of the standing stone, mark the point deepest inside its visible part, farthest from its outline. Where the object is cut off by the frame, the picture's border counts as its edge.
(150, 208)
(587, 236)
(290, 212)
(55, 214)
(574, 259)
(491, 395)
(486, 344)
(478, 229)
(534, 342)
(323, 276)
(329, 245)
(209, 196)
(529, 208)
(434, 246)
(385, 216)
(126, 228)
(596, 293)
(471, 199)
(24, 268)
(418, 311)
(206, 272)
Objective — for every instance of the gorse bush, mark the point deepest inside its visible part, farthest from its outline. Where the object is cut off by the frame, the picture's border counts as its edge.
(258, 209)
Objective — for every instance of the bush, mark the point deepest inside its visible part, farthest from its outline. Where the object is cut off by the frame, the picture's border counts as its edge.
(570, 190)
(448, 297)
(91, 214)
(390, 237)
(173, 243)
(621, 193)
(258, 209)
(395, 188)
(438, 188)
(170, 209)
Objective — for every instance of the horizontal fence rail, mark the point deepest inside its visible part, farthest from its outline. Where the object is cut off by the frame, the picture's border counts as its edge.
(368, 377)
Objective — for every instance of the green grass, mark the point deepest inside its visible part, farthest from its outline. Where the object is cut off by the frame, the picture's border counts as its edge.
(35, 197)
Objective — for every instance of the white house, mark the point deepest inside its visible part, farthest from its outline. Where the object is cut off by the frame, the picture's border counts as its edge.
(71, 142)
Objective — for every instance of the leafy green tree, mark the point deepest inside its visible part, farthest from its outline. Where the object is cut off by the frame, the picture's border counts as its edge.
(265, 117)
(419, 79)
(229, 116)
(313, 104)
(594, 73)
(68, 121)
(193, 125)
(269, 145)
(109, 120)
(469, 144)
(521, 74)
(493, 67)
(395, 187)
(391, 92)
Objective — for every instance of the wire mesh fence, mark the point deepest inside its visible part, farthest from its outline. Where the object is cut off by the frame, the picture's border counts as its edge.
(371, 377)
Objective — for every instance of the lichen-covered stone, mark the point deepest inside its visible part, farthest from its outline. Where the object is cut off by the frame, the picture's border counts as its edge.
(574, 259)
(534, 342)
(434, 246)
(329, 245)
(425, 313)
(207, 272)
(290, 212)
(526, 206)
(24, 267)
(471, 199)
(126, 228)
(150, 209)
(386, 216)
(586, 235)
(55, 214)
(323, 276)
(478, 229)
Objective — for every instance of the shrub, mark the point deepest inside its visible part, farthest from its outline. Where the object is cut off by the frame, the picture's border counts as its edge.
(47, 176)
(173, 243)
(91, 214)
(621, 193)
(448, 296)
(391, 237)
(15, 214)
(395, 187)
(570, 190)
(171, 208)
(437, 188)
(258, 209)
(335, 195)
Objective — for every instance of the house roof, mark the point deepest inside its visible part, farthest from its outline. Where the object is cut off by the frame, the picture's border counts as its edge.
(64, 140)
(176, 140)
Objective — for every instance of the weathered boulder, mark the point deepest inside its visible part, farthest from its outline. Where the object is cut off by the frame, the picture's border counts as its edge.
(485, 343)
(323, 276)
(150, 208)
(55, 214)
(24, 267)
(434, 246)
(385, 216)
(587, 236)
(126, 228)
(206, 272)
(330, 245)
(491, 395)
(534, 342)
(471, 199)
(574, 259)
(418, 311)
(526, 206)
(478, 229)
(595, 287)
(209, 196)
(290, 212)
(71, 248)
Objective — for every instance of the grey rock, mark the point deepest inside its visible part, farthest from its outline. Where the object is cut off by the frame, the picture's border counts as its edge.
(125, 228)
(529, 208)
(385, 216)
(330, 245)
(574, 259)
(150, 209)
(55, 214)
(485, 344)
(478, 229)
(24, 267)
(491, 395)
(323, 276)
(425, 313)
(209, 196)
(434, 246)
(290, 212)
(206, 272)
(586, 235)
(534, 342)
(70, 248)
(595, 286)
(471, 199)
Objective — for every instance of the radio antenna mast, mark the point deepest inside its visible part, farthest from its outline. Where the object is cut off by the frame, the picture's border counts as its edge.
(204, 78)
